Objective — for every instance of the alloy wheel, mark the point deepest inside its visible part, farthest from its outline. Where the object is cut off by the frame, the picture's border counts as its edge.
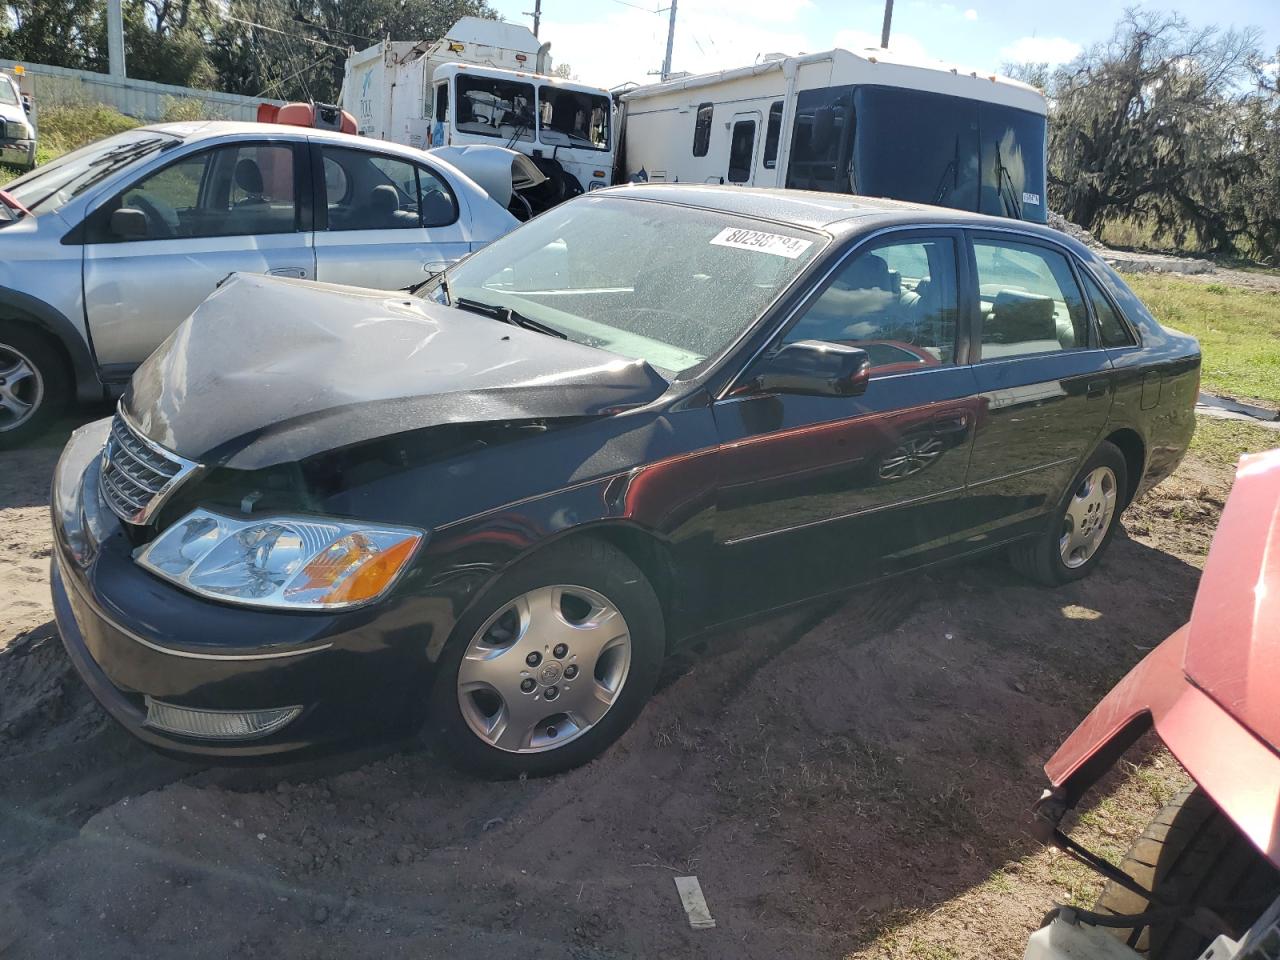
(1088, 517)
(21, 388)
(544, 669)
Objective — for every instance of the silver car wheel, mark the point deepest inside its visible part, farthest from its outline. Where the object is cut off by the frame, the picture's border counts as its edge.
(544, 669)
(1088, 517)
(21, 388)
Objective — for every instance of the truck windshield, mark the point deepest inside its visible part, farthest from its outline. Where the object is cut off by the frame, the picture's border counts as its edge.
(923, 147)
(493, 107)
(8, 95)
(47, 188)
(573, 118)
(669, 284)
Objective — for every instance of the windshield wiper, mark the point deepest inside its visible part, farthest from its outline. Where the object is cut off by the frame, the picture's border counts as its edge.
(1003, 178)
(507, 315)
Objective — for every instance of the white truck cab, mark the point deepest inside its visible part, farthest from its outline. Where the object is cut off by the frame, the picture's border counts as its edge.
(870, 123)
(567, 126)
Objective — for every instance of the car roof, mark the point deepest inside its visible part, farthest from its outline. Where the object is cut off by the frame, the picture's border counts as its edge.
(192, 131)
(838, 214)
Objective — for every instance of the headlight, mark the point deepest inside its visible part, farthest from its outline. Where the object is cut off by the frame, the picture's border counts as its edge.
(285, 562)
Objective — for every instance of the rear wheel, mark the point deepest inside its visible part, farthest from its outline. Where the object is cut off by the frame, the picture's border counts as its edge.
(1191, 854)
(1082, 524)
(553, 664)
(34, 386)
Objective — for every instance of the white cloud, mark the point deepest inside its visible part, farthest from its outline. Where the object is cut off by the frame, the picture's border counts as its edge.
(971, 14)
(900, 43)
(1050, 50)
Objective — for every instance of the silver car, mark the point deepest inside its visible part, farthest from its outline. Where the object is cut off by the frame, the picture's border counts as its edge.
(104, 251)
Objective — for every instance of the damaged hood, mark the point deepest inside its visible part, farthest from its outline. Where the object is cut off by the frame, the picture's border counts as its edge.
(1233, 647)
(269, 370)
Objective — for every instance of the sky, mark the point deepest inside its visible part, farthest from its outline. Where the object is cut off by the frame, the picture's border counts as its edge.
(609, 42)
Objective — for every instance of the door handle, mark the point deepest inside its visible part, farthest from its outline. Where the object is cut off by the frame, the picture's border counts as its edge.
(297, 273)
(1096, 389)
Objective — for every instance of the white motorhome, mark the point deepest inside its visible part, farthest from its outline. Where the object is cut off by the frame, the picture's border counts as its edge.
(497, 75)
(870, 123)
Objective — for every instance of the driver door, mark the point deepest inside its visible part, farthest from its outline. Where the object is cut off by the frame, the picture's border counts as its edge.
(822, 492)
(234, 208)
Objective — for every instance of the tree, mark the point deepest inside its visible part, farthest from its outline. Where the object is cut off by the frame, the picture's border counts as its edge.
(1161, 123)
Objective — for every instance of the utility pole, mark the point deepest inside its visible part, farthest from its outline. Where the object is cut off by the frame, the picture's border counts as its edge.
(115, 40)
(671, 39)
(537, 15)
(888, 21)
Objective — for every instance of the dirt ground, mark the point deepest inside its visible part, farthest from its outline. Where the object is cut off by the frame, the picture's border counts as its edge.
(851, 779)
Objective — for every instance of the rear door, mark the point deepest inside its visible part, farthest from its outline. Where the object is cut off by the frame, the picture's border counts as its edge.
(820, 492)
(231, 208)
(382, 220)
(1045, 382)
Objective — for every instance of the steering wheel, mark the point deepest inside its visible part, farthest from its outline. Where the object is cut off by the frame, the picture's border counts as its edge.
(155, 218)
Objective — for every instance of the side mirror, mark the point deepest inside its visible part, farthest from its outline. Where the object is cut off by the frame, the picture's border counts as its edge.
(128, 223)
(817, 367)
(27, 103)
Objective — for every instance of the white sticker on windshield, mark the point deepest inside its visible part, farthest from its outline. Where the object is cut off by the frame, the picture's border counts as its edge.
(774, 243)
(1031, 198)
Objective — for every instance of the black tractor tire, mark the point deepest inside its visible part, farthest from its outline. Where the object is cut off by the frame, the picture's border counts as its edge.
(582, 561)
(1191, 854)
(1040, 558)
(49, 389)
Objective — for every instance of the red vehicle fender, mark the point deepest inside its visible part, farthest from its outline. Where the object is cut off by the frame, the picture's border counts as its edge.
(1210, 690)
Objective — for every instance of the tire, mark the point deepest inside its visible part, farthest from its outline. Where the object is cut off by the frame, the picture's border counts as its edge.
(42, 381)
(540, 602)
(1191, 854)
(1043, 558)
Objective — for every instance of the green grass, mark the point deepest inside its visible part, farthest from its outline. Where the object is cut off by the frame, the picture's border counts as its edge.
(1225, 441)
(1238, 329)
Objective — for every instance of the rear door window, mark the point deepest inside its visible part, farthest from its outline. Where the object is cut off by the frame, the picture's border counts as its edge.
(372, 191)
(1112, 330)
(1029, 300)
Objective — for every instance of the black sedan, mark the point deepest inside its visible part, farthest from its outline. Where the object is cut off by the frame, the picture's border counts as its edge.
(491, 508)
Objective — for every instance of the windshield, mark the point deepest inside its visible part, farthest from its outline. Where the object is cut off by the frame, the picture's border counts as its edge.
(919, 146)
(573, 118)
(47, 188)
(671, 285)
(8, 95)
(493, 107)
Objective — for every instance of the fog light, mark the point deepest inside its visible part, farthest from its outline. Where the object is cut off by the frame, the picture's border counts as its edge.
(217, 724)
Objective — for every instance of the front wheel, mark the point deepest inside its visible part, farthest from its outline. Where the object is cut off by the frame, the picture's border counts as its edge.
(1082, 523)
(553, 664)
(33, 383)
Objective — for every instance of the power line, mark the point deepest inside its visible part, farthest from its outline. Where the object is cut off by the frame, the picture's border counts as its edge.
(286, 33)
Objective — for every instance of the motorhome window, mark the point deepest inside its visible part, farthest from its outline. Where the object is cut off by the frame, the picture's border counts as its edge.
(771, 134)
(1012, 163)
(949, 151)
(490, 107)
(702, 130)
(573, 119)
(820, 140)
(742, 146)
(917, 146)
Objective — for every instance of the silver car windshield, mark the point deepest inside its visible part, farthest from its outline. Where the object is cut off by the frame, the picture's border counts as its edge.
(49, 187)
(669, 284)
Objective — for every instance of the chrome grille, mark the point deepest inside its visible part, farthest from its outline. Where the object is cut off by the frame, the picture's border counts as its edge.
(137, 475)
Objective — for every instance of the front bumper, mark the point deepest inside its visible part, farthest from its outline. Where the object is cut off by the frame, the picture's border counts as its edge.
(18, 153)
(132, 636)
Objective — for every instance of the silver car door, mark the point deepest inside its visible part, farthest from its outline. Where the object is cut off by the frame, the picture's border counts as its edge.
(385, 222)
(156, 249)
